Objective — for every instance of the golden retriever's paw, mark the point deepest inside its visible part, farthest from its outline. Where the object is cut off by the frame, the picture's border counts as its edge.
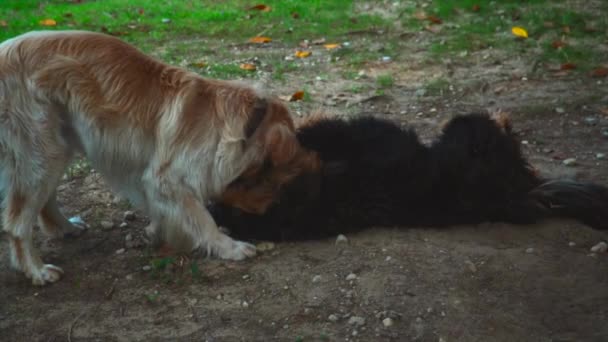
(238, 250)
(47, 274)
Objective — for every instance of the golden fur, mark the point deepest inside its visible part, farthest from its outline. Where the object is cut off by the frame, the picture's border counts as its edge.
(166, 138)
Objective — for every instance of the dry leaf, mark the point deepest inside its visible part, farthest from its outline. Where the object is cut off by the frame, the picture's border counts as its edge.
(248, 66)
(48, 22)
(420, 15)
(318, 41)
(303, 54)
(3, 23)
(558, 44)
(434, 29)
(519, 32)
(600, 72)
(261, 7)
(260, 40)
(476, 8)
(331, 46)
(295, 15)
(199, 64)
(566, 29)
(434, 19)
(568, 66)
(298, 95)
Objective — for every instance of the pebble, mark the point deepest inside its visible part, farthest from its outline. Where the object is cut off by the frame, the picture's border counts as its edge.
(569, 162)
(605, 133)
(600, 155)
(571, 244)
(332, 318)
(129, 215)
(547, 150)
(107, 225)
(316, 279)
(120, 251)
(601, 247)
(124, 225)
(129, 238)
(351, 276)
(530, 250)
(591, 121)
(471, 266)
(356, 320)
(246, 276)
(341, 239)
(560, 110)
(129, 277)
(388, 258)
(166, 20)
(245, 304)
(386, 58)
(147, 268)
(387, 322)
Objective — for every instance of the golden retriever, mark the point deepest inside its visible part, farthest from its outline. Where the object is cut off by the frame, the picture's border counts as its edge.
(164, 137)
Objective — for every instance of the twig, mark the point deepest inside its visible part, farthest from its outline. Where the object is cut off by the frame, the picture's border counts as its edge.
(73, 324)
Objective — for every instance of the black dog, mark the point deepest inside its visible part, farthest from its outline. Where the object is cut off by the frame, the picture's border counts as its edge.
(378, 174)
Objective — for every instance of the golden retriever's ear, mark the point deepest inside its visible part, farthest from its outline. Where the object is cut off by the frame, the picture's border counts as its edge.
(256, 117)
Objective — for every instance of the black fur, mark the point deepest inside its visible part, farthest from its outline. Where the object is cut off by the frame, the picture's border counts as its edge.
(378, 174)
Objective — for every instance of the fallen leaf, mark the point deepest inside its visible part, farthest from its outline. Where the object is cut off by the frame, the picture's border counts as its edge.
(3, 23)
(558, 44)
(434, 19)
(519, 32)
(298, 95)
(566, 29)
(140, 11)
(476, 8)
(548, 24)
(331, 46)
(261, 7)
(68, 15)
(48, 22)
(260, 40)
(248, 66)
(420, 15)
(568, 66)
(303, 54)
(318, 41)
(295, 15)
(434, 29)
(199, 64)
(600, 72)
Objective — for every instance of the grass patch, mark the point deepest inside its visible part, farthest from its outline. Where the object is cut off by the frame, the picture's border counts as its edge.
(137, 20)
(385, 81)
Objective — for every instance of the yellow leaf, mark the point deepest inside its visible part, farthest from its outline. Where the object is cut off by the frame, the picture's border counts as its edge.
(519, 32)
(331, 46)
(48, 22)
(261, 7)
(303, 54)
(260, 40)
(298, 95)
(248, 66)
(3, 23)
(199, 64)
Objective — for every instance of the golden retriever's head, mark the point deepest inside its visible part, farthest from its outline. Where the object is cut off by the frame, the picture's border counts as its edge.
(270, 127)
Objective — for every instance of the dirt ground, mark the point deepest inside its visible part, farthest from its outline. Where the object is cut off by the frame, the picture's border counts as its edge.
(492, 282)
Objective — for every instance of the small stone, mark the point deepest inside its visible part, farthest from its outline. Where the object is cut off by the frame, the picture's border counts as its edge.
(246, 276)
(129, 238)
(600, 156)
(120, 251)
(387, 322)
(386, 58)
(245, 304)
(354, 333)
(601, 247)
(341, 239)
(471, 266)
(286, 326)
(560, 110)
(332, 318)
(351, 276)
(547, 150)
(388, 258)
(147, 268)
(356, 320)
(420, 92)
(107, 225)
(591, 121)
(124, 225)
(166, 20)
(316, 279)
(571, 244)
(219, 297)
(605, 133)
(129, 215)
(569, 161)
(129, 277)
(530, 250)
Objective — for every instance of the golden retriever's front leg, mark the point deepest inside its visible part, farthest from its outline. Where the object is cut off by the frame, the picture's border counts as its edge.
(183, 211)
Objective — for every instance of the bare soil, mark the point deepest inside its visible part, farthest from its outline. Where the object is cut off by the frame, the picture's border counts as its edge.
(464, 283)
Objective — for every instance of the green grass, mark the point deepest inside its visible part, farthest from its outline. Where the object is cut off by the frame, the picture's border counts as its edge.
(137, 20)
(385, 81)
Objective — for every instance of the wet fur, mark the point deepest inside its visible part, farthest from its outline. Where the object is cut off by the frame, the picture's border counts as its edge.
(164, 137)
(376, 173)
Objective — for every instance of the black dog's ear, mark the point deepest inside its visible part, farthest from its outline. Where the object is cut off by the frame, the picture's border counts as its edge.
(335, 168)
(256, 117)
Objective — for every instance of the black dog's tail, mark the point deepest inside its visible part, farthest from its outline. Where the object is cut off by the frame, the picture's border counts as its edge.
(583, 201)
